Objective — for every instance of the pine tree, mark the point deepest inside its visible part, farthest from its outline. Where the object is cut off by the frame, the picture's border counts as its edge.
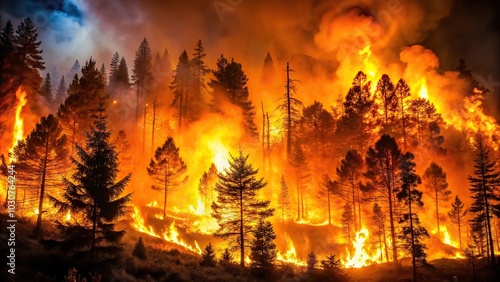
(61, 91)
(387, 97)
(181, 86)
(75, 69)
(142, 72)
(347, 221)
(378, 221)
(298, 163)
(262, 247)
(123, 148)
(354, 127)
(207, 184)
(328, 189)
(284, 200)
(139, 249)
(230, 85)
(94, 197)
(268, 70)
(421, 113)
(312, 261)
(456, 215)
(382, 167)
(28, 59)
(435, 182)
(199, 70)
(237, 209)
(412, 233)
(104, 74)
(484, 189)
(227, 256)
(289, 108)
(84, 94)
(43, 153)
(208, 256)
(121, 76)
(167, 169)
(349, 174)
(113, 66)
(46, 90)
(7, 52)
(330, 263)
(402, 91)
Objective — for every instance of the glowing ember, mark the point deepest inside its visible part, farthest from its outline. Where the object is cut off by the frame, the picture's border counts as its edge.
(18, 132)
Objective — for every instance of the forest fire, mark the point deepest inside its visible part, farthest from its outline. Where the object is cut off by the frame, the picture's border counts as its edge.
(304, 140)
(18, 131)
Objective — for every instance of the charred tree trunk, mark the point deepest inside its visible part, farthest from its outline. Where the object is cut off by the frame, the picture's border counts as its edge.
(268, 140)
(413, 261)
(263, 139)
(242, 239)
(289, 112)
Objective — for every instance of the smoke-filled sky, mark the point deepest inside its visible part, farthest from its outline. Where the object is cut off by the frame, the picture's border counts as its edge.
(316, 30)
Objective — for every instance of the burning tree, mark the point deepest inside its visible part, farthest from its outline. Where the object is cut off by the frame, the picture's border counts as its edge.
(284, 200)
(199, 70)
(142, 72)
(412, 233)
(328, 188)
(348, 222)
(237, 209)
(382, 164)
(378, 220)
(290, 108)
(230, 85)
(207, 184)
(349, 173)
(435, 179)
(298, 162)
(94, 197)
(180, 86)
(456, 215)
(484, 188)
(387, 96)
(43, 154)
(167, 169)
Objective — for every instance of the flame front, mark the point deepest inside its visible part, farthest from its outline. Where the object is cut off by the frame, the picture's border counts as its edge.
(360, 257)
(18, 131)
(290, 255)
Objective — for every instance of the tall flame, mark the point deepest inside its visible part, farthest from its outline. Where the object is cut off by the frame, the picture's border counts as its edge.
(290, 256)
(360, 257)
(18, 132)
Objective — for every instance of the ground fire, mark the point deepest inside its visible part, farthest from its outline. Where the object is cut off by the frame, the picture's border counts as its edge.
(322, 141)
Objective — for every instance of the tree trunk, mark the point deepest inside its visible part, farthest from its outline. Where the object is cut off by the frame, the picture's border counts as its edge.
(263, 139)
(329, 209)
(38, 227)
(289, 113)
(487, 207)
(165, 189)
(153, 129)
(386, 247)
(459, 232)
(268, 141)
(242, 239)
(413, 261)
(437, 209)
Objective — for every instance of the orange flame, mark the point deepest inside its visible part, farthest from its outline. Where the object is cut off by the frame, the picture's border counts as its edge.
(360, 257)
(290, 256)
(18, 132)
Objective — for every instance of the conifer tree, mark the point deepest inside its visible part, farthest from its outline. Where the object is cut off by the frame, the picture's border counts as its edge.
(227, 256)
(121, 76)
(290, 108)
(348, 222)
(284, 200)
(181, 86)
(46, 90)
(378, 221)
(208, 256)
(349, 174)
(237, 209)
(113, 66)
(94, 197)
(402, 91)
(298, 163)
(230, 85)
(43, 154)
(139, 249)
(456, 215)
(328, 189)
(382, 168)
(199, 70)
(484, 186)
(387, 97)
(61, 92)
(7, 52)
(330, 263)
(312, 261)
(435, 182)
(123, 148)
(412, 233)
(28, 59)
(207, 184)
(141, 74)
(167, 169)
(262, 247)
(268, 70)
(75, 69)
(104, 73)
